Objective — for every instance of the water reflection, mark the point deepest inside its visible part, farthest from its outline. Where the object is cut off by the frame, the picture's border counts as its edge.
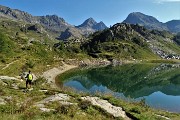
(137, 81)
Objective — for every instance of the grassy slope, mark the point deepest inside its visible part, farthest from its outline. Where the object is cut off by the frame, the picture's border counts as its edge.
(20, 104)
(124, 41)
(36, 56)
(26, 49)
(121, 46)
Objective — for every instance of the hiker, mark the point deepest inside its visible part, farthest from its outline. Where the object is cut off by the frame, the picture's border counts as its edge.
(29, 79)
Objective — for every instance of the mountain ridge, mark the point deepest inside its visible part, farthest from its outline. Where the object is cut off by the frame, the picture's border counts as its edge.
(90, 26)
(132, 42)
(52, 23)
(151, 22)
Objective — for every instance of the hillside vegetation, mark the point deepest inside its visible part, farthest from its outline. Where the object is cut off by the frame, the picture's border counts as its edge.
(26, 46)
(34, 43)
(125, 41)
(30, 46)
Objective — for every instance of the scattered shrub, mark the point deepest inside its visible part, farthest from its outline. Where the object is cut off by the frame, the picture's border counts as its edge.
(38, 82)
(30, 64)
(135, 110)
(84, 104)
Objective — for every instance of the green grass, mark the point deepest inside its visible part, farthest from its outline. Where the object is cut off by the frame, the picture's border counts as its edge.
(20, 104)
(39, 55)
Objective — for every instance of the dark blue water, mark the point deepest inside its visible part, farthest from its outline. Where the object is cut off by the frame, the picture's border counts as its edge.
(158, 84)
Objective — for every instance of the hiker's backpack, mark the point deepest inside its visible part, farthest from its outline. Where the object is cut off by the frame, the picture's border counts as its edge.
(30, 77)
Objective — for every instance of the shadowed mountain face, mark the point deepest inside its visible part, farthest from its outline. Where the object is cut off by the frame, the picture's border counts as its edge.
(152, 23)
(173, 26)
(100, 26)
(144, 20)
(177, 38)
(50, 22)
(90, 25)
(53, 22)
(71, 33)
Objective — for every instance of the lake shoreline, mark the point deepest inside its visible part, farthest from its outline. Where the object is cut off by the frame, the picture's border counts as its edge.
(153, 68)
(50, 101)
(52, 73)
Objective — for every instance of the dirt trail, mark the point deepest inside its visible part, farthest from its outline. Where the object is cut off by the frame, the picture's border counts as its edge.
(9, 65)
(52, 73)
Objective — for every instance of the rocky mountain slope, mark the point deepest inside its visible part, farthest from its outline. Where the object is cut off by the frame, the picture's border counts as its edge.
(51, 23)
(123, 41)
(173, 25)
(71, 33)
(90, 26)
(152, 23)
(132, 42)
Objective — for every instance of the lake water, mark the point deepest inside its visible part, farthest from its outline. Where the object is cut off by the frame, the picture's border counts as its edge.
(158, 84)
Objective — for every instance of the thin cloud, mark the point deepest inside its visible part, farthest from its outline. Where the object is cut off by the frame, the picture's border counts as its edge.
(165, 1)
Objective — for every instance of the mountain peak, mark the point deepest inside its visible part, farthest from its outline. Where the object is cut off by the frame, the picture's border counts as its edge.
(100, 26)
(144, 20)
(101, 22)
(137, 13)
(90, 25)
(90, 22)
(90, 19)
(54, 18)
(140, 18)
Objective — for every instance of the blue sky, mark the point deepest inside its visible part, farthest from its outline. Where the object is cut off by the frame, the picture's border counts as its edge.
(108, 11)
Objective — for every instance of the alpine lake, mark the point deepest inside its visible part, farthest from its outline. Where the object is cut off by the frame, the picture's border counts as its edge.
(157, 84)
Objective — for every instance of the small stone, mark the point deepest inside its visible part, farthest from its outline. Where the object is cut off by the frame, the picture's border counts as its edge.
(46, 109)
(2, 101)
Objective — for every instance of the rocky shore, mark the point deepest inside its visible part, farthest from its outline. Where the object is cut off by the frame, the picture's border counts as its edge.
(46, 97)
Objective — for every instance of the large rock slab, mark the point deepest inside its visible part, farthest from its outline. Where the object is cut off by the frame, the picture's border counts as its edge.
(105, 105)
(56, 97)
(7, 78)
